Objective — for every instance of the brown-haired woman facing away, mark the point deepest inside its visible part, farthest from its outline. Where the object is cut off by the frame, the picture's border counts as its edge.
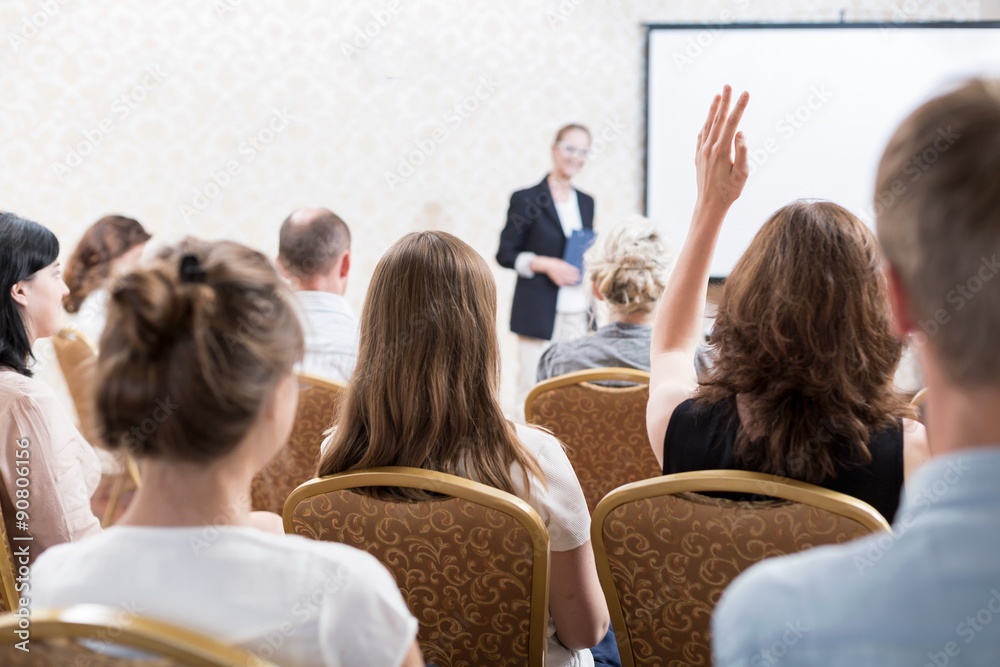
(802, 384)
(195, 379)
(426, 394)
(110, 247)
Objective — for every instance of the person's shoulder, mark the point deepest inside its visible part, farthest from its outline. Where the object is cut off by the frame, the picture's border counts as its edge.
(311, 553)
(25, 393)
(535, 439)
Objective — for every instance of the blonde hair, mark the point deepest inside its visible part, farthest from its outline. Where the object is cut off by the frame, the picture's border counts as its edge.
(629, 265)
(426, 390)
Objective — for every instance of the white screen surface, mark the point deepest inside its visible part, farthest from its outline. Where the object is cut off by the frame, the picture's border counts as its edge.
(823, 104)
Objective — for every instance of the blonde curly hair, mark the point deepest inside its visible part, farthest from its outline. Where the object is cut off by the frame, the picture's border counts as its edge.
(629, 265)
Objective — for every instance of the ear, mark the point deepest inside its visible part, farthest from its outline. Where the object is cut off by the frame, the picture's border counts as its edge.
(281, 267)
(345, 263)
(19, 294)
(899, 301)
(597, 292)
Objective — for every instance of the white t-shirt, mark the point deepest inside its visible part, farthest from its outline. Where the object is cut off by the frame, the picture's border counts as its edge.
(289, 599)
(331, 335)
(563, 510)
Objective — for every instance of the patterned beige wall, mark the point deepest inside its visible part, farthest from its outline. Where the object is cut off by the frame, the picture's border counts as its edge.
(217, 117)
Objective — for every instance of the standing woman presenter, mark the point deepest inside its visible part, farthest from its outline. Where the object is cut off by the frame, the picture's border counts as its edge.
(550, 303)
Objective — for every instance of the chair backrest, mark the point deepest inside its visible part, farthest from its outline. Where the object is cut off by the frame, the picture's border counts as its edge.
(602, 427)
(87, 635)
(472, 562)
(8, 594)
(78, 361)
(295, 463)
(665, 553)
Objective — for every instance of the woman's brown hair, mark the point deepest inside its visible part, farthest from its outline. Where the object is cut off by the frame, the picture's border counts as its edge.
(196, 342)
(425, 391)
(90, 264)
(804, 332)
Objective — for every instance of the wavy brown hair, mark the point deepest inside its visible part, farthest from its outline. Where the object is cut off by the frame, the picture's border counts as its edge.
(425, 392)
(90, 264)
(804, 333)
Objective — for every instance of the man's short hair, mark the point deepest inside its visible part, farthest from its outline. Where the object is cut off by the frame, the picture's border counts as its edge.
(311, 241)
(937, 204)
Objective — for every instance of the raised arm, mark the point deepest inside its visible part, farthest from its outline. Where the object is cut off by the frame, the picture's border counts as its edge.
(722, 170)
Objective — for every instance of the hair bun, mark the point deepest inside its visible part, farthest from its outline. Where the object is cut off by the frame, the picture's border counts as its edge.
(157, 309)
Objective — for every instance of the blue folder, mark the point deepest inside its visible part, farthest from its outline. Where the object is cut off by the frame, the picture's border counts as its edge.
(577, 244)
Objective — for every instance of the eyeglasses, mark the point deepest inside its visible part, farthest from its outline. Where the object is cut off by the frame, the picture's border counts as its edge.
(573, 151)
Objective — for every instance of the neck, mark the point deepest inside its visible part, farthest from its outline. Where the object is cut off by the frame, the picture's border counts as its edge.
(631, 318)
(559, 184)
(959, 418)
(328, 284)
(192, 494)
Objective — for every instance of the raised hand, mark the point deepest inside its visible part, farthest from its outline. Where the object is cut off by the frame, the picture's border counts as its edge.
(721, 157)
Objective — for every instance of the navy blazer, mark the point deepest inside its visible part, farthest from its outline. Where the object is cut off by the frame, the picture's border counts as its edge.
(533, 226)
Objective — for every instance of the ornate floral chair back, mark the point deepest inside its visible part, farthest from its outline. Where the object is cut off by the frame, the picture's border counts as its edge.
(472, 562)
(295, 463)
(665, 552)
(603, 427)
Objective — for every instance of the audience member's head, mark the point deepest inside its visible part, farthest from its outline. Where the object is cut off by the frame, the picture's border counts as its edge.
(426, 392)
(941, 231)
(314, 250)
(804, 330)
(32, 289)
(208, 329)
(628, 266)
(109, 247)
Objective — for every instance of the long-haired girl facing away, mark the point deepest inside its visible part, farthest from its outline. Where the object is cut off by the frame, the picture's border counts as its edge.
(195, 379)
(802, 384)
(426, 394)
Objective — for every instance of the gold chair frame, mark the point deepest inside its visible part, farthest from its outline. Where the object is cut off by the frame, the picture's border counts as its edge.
(184, 646)
(131, 469)
(590, 375)
(464, 489)
(312, 382)
(596, 485)
(712, 481)
(8, 590)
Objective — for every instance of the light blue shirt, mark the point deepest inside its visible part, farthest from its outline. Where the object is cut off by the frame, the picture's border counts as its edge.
(331, 333)
(927, 595)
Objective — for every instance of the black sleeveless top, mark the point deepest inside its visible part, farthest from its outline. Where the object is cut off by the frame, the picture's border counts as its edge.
(702, 436)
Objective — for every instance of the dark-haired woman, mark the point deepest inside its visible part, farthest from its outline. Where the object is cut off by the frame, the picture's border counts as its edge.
(49, 471)
(802, 384)
(550, 303)
(110, 247)
(189, 551)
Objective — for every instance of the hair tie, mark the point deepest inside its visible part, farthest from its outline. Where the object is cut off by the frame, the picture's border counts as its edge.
(191, 270)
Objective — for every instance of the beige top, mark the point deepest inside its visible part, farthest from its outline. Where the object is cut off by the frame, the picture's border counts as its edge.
(61, 468)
